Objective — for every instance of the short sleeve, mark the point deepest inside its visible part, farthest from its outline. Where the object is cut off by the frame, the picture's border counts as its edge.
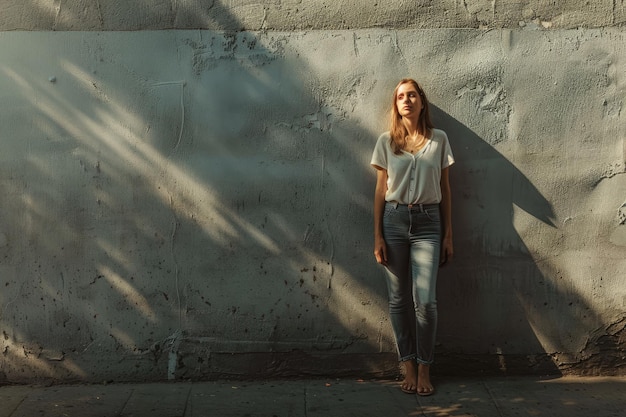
(379, 156)
(447, 158)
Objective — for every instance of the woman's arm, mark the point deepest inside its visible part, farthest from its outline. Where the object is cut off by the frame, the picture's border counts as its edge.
(447, 249)
(380, 247)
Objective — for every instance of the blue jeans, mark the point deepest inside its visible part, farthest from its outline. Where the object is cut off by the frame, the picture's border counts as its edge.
(413, 238)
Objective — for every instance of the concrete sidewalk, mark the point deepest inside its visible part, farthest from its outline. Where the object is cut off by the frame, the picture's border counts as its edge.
(567, 397)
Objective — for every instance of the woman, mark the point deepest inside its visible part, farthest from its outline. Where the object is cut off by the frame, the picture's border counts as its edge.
(412, 227)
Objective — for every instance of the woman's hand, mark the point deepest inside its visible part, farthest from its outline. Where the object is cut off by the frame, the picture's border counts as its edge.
(380, 247)
(446, 211)
(447, 250)
(380, 251)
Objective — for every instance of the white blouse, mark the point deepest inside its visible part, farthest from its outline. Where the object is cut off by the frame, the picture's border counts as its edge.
(414, 179)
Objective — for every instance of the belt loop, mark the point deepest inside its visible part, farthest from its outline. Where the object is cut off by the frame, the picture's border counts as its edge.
(395, 205)
(422, 208)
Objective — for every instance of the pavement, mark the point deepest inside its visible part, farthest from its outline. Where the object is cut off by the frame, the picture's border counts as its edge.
(482, 397)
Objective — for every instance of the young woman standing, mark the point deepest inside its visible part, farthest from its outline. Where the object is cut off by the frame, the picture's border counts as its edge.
(412, 227)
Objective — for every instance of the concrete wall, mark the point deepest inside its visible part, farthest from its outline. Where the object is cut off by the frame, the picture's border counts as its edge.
(197, 203)
(285, 15)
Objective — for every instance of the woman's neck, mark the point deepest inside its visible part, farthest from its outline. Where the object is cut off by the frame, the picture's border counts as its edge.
(411, 125)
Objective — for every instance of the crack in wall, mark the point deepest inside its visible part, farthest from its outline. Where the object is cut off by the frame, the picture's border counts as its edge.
(182, 84)
(100, 15)
(57, 14)
(605, 349)
(175, 224)
(621, 214)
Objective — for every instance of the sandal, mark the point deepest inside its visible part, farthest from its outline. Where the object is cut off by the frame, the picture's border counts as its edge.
(408, 391)
(425, 393)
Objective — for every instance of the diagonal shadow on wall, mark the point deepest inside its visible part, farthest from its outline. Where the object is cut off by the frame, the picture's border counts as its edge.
(194, 212)
(502, 310)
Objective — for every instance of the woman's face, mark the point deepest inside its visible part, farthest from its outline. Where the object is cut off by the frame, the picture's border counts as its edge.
(408, 101)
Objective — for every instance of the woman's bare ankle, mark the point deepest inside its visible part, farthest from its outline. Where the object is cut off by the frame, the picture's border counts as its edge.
(424, 385)
(410, 373)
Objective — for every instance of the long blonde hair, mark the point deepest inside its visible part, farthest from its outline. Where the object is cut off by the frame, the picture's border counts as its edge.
(397, 130)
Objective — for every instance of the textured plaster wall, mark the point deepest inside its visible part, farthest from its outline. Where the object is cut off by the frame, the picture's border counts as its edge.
(197, 203)
(307, 14)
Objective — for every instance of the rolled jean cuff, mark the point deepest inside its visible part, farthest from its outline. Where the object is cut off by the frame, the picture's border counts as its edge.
(408, 358)
(423, 362)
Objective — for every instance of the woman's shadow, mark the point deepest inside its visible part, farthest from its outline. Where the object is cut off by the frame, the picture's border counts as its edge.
(495, 302)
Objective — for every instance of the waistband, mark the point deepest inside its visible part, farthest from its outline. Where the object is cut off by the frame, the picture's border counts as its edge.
(415, 206)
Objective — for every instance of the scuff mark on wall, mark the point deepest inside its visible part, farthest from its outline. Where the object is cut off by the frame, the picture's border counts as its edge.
(331, 256)
(57, 13)
(182, 84)
(605, 350)
(462, 3)
(241, 47)
(621, 214)
(611, 171)
(175, 223)
(173, 357)
(100, 16)
(490, 97)
(612, 108)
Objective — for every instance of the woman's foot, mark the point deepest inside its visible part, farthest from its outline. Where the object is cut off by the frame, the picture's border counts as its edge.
(424, 386)
(409, 385)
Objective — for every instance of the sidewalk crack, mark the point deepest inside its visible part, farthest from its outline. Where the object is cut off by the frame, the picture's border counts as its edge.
(306, 408)
(493, 399)
(130, 394)
(187, 400)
